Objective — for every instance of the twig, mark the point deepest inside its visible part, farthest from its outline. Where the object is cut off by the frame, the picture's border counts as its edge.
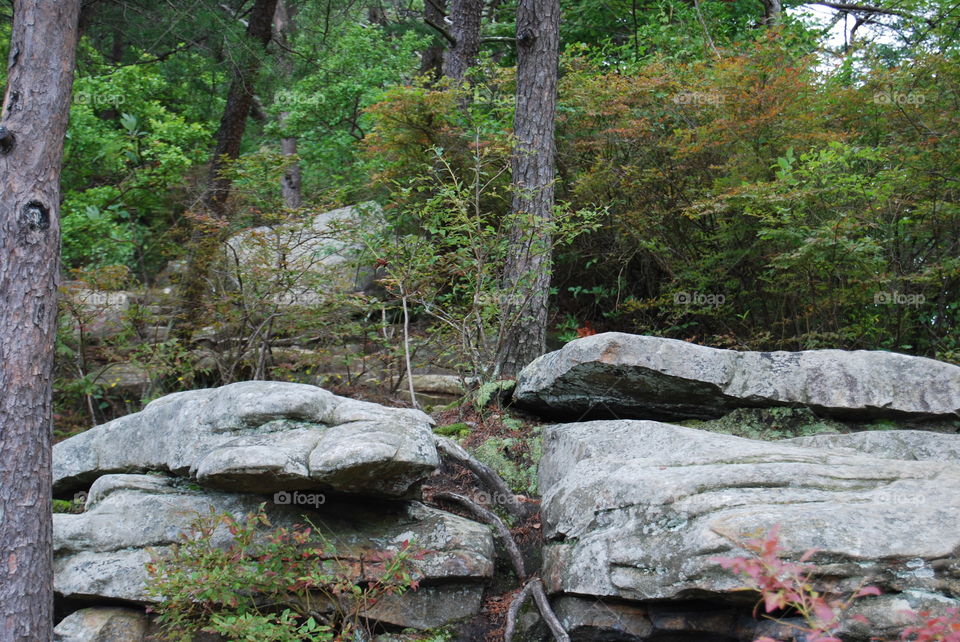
(502, 495)
(489, 517)
(406, 347)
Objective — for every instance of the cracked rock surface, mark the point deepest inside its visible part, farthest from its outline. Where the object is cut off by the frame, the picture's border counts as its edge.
(259, 436)
(632, 376)
(639, 510)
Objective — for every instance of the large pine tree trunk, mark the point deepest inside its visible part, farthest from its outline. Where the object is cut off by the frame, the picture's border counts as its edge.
(465, 16)
(34, 123)
(527, 272)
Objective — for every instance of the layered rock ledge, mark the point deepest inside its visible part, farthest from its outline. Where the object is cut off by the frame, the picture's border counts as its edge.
(632, 376)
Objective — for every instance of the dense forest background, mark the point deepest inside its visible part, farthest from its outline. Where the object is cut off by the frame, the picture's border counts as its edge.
(728, 172)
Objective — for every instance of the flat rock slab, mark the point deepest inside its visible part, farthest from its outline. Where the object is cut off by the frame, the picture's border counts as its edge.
(259, 436)
(639, 510)
(632, 376)
(100, 554)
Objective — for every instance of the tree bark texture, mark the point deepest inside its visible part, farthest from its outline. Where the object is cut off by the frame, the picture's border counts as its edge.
(527, 272)
(290, 182)
(33, 124)
(239, 100)
(431, 60)
(205, 242)
(465, 16)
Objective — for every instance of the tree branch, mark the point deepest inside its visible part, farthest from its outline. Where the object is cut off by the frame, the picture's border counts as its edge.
(865, 8)
(443, 32)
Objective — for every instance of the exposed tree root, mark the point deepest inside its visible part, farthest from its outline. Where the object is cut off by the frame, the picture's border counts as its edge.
(502, 495)
(533, 585)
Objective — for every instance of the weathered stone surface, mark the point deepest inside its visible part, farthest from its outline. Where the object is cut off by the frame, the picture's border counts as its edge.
(591, 619)
(315, 250)
(916, 445)
(101, 553)
(639, 510)
(631, 376)
(102, 624)
(259, 436)
(95, 314)
(124, 379)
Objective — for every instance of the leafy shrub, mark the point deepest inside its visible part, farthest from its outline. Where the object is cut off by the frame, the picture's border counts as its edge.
(789, 587)
(284, 584)
(515, 460)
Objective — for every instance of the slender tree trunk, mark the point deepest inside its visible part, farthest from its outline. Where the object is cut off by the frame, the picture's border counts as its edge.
(431, 61)
(527, 272)
(205, 242)
(772, 10)
(32, 129)
(290, 183)
(239, 101)
(465, 16)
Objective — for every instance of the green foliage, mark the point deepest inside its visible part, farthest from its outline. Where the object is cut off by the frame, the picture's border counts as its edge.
(491, 389)
(770, 423)
(458, 429)
(282, 584)
(514, 459)
(753, 204)
(325, 107)
(127, 151)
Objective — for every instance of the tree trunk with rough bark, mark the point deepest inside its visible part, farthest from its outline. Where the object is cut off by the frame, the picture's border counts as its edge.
(431, 60)
(526, 279)
(465, 16)
(290, 182)
(239, 101)
(240, 97)
(33, 124)
(772, 10)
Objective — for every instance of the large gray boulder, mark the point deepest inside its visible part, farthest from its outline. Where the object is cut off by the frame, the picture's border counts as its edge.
(317, 251)
(632, 376)
(100, 554)
(637, 512)
(259, 436)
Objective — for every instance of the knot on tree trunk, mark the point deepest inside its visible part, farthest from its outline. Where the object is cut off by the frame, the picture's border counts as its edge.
(6, 140)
